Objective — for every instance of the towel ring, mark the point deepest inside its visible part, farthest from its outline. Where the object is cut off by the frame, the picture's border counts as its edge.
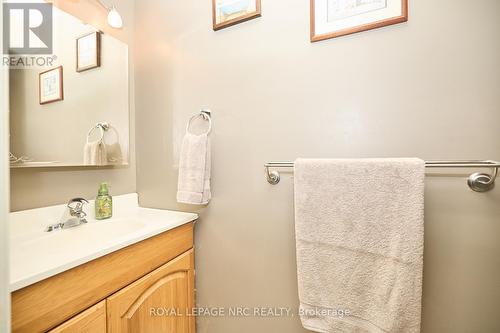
(103, 127)
(206, 115)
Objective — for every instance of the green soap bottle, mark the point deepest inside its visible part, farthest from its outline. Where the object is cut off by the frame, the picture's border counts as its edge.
(103, 203)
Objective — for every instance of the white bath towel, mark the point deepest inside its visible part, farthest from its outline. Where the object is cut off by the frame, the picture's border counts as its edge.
(194, 170)
(359, 237)
(95, 153)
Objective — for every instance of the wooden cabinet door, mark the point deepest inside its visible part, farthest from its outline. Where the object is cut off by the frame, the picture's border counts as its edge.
(92, 320)
(160, 302)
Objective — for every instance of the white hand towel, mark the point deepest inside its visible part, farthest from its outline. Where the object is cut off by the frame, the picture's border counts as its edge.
(95, 153)
(194, 170)
(359, 237)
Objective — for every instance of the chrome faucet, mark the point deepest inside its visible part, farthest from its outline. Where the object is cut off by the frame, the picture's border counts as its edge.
(73, 216)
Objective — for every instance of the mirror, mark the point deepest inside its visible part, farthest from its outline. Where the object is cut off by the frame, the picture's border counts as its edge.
(74, 112)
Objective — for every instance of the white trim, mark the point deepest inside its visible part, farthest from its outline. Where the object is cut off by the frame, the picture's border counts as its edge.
(4, 193)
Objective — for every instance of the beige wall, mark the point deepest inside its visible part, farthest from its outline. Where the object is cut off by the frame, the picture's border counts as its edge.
(38, 187)
(428, 88)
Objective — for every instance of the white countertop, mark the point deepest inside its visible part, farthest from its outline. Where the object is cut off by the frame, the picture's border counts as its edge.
(36, 255)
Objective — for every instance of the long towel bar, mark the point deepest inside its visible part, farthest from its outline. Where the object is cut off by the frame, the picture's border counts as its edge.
(479, 182)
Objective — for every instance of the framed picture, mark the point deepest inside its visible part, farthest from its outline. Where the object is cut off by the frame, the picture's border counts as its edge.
(334, 18)
(88, 51)
(230, 12)
(50, 85)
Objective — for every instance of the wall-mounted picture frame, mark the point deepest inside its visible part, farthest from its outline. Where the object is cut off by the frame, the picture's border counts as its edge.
(50, 85)
(88, 51)
(334, 18)
(226, 13)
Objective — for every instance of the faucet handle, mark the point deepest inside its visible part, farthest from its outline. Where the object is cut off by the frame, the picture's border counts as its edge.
(81, 200)
(77, 208)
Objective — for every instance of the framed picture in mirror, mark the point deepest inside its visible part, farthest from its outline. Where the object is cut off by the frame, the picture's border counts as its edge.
(88, 51)
(50, 85)
(230, 12)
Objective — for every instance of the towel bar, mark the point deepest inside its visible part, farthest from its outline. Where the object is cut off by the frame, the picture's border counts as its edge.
(478, 182)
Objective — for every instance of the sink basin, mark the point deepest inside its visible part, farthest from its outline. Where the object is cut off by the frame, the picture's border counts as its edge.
(95, 232)
(126, 225)
(36, 254)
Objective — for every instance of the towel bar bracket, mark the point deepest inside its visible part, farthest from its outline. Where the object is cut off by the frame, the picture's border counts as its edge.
(482, 182)
(478, 182)
(273, 177)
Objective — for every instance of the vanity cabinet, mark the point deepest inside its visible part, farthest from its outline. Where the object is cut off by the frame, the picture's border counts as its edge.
(92, 320)
(159, 302)
(145, 287)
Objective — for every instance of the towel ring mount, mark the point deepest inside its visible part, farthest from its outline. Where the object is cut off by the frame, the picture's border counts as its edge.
(206, 114)
(102, 127)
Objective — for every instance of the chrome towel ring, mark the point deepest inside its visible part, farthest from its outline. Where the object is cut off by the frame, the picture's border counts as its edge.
(103, 127)
(206, 114)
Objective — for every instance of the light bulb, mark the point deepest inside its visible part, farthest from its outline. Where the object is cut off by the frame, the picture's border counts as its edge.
(114, 18)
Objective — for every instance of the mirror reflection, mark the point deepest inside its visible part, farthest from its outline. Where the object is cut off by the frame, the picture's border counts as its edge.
(76, 111)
